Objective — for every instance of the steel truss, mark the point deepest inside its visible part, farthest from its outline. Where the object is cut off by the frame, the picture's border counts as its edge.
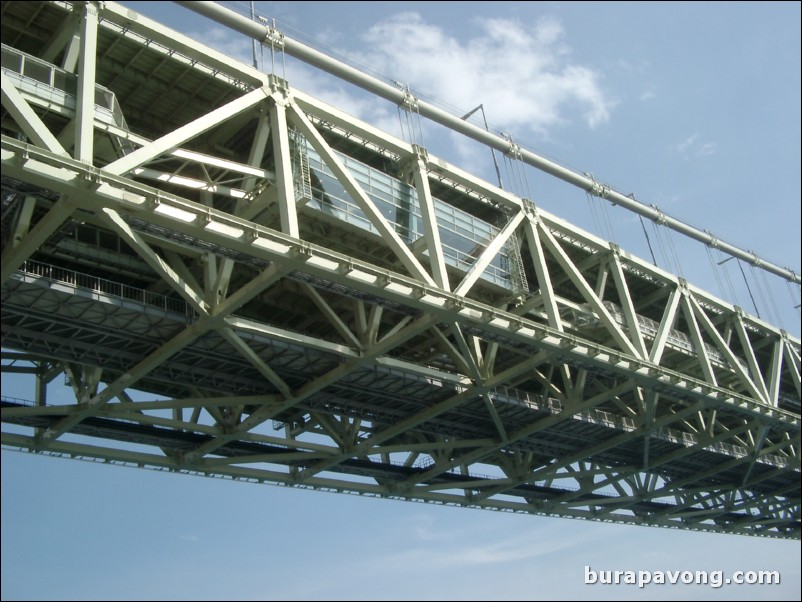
(312, 302)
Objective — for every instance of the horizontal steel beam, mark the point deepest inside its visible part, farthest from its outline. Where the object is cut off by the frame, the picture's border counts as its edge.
(140, 202)
(402, 97)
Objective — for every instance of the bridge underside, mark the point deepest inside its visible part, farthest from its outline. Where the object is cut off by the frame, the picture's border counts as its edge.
(239, 280)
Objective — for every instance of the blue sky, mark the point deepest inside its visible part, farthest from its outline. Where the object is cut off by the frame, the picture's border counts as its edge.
(694, 107)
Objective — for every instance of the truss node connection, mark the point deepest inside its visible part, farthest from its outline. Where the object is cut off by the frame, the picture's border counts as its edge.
(294, 48)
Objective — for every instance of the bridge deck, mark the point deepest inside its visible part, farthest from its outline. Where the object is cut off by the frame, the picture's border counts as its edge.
(300, 298)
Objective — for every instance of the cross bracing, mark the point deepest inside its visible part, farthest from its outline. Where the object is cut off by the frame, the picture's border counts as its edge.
(310, 301)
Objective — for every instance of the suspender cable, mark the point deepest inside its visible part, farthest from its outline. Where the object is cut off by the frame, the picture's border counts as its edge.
(649, 242)
(376, 86)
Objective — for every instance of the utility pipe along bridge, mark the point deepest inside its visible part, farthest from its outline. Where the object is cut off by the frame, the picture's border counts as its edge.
(236, 279)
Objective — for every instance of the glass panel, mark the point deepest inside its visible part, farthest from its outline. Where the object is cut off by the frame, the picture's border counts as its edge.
(38, 71)
(463, 236)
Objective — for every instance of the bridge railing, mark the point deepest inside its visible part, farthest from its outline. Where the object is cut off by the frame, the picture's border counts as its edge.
(48, 82)
(106, 287)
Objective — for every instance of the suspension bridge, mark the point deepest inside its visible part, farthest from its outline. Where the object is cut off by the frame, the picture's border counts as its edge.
(237, 279)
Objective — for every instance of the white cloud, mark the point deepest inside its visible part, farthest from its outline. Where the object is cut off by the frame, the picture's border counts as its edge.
(524, 77)
(686, 144)
(471, 550)
(706, 149)
(694, 148)
(473, 157)
(226, 41)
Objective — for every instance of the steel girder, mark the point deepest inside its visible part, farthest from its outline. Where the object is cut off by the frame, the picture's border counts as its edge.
(246, 266)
